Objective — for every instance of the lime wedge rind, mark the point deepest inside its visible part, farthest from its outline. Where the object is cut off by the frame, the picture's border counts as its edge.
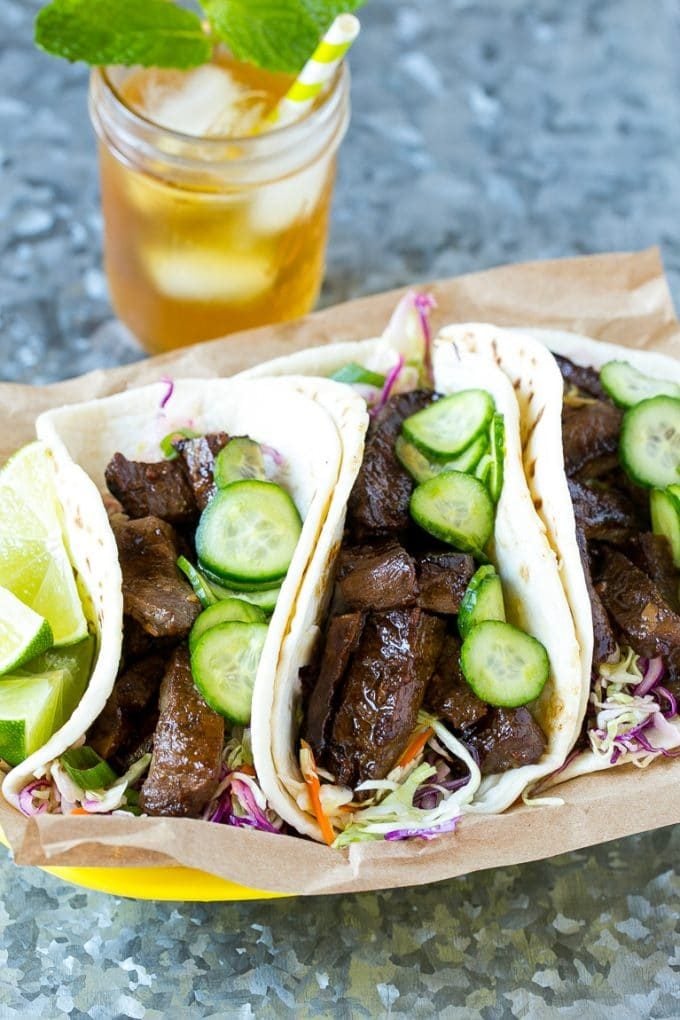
(29, 708)
(24, 633)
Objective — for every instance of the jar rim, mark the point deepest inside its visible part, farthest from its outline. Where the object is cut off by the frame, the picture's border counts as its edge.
(284, 134)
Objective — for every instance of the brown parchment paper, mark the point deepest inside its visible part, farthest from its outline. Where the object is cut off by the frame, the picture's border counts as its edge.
(622, 298)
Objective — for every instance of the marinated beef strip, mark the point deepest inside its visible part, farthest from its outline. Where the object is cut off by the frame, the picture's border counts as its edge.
(130, 712)
(187, 752)
(383, 691)
(655, 557)
(198, 456)
(604, 514)
(448, 695)
(378, 503)
(590, 438)
(378, 576)
(506, 739)
(158, 489)
(155, 594)
(605, 648)
(642, 616)
(342, 638)
(442, 580)
(581, 377)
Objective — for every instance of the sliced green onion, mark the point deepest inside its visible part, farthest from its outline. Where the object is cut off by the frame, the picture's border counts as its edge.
(166, 444)
(87, 769)
(355, 373)
(195, 578)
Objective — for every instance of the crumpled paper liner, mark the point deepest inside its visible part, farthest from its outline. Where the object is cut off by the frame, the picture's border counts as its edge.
(622, 298)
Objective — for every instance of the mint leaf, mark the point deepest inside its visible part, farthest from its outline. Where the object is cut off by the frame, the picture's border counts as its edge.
(279, 35)
(154, 33)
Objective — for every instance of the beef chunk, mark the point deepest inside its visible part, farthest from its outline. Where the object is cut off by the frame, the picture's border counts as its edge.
(155, 594)
(603, 514)
(442, 579)
(187, 753)
(383, 691)
(342, 638)
(159, 489)
(381, 576)
(132, 698)
(505, 739)
(605, 648)
(655, 557)
(587, 380)
(449, 695)
(140, 744)
(590, 436)
(198, 456)
(378, 503)
(645, 620)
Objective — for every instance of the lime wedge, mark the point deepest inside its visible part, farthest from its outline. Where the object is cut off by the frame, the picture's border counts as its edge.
(76, 662)
(34, 564)
(23, 633)
(29, 707)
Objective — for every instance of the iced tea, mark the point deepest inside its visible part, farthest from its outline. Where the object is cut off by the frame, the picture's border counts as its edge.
(214, 221)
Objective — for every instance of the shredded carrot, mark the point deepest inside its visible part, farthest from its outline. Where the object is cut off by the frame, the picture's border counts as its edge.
(247, 770)
(416, 746)
(314, 788)
(79, 811)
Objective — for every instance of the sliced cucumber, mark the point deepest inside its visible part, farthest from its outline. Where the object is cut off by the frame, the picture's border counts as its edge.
(503, 665)
(265, 599)
(483, 600)
(248, 533)
(354, 373)
(224, 665)
(225, 611)
(664, 509)
(450, 425)
(240, 459)
(649, 446)
(87, 769)
(422, 468)
(455, 508)
(627, 386)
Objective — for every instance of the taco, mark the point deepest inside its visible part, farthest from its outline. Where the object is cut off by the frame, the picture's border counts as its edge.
(601, 438)
(446, 675)
(216, 493)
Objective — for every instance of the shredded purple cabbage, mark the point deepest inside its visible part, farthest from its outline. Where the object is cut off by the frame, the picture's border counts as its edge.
(424, 304)
(224, 813)
(430, 793)
(170, 390)
(390, 381)
(26, 804)
(652, 671)
(269, 451)
(432, 833)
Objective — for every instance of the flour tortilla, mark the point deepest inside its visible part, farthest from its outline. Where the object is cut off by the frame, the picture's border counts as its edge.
(287, 415)
(525, 358)
(535, 598)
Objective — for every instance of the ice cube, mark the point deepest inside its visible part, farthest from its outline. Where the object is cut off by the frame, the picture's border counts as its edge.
(209, 275)
(276, 207)
(204, 101)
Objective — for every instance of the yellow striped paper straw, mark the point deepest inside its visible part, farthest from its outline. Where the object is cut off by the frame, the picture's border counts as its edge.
(318, 70)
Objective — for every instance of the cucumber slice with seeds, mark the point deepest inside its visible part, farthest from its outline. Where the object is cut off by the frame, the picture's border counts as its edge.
(240, 459)
(224, 665)
(422, 468)
(503, 665)
(248, 533)
(450, 425)
(627, 386)
(455, 508)
(483, 600)
(649, 446)
(664, 509)
(225, 611)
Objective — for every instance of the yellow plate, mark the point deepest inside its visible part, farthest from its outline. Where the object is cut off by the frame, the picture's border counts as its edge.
(185, 884)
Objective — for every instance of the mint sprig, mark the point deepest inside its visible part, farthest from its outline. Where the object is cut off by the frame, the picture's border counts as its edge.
(154, 33)
(279, 35)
